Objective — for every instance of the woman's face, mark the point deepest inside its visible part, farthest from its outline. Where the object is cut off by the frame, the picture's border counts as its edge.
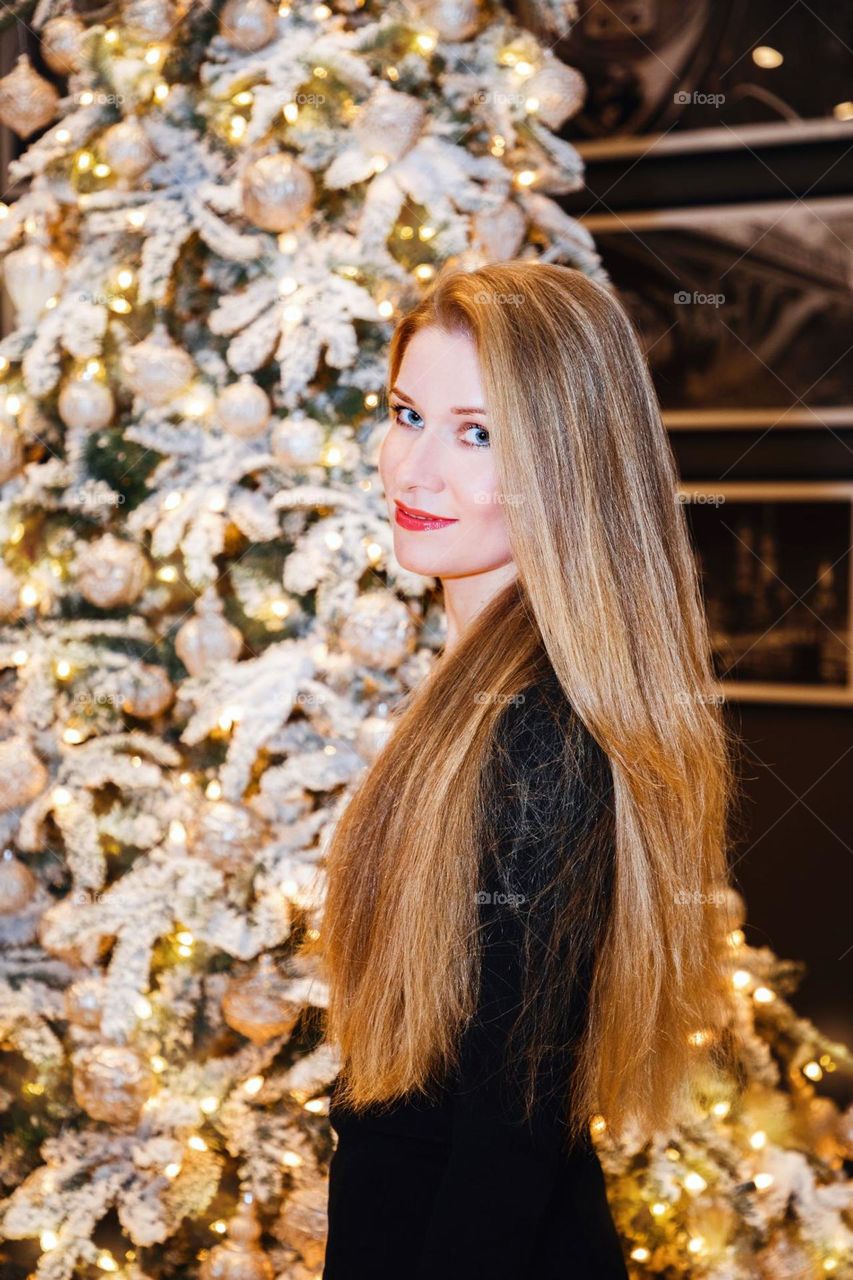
(436, 458)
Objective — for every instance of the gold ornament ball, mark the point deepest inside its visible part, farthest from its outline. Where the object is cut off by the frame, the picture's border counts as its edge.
(276, 192)
(378, 631)
(240, 1257)
(258, 1005)
(248, 24)
(11, 452)
(111, 1082)
(111, 572)
(225, 835)
(27, 101)
(149, 693)
(60, 44)
(22, 774)
(243, 409)
(389, 123)
(148, 20)
(17, 884)
(84, 1003)
(207, 638)
(297, 442)
(127, 150)
(156, 368)
(454, 20)
(32, 275)
(86, 403)
(559, 91)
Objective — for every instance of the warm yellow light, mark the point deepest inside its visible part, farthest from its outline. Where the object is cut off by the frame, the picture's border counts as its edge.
(168, 573)
(332, 456)
(380, 163)
(161, 91)
(321, 11)
(526, 177)
(197, 1143)
(694, 1182)
(763, 995)
(763, 1181)
(72, 736)
(371, 400)
(741, 978)
(61, 796)
(758, 1140)
(765, 56)
(697, 1244)
(720, 1109)
(386, 309)
(238, 126)
(143, 1007)
(658, 1208)
(172, 1170)
(292, 1160)
(425, 42)
(292, 315)
(813, 1071)
(136, 218)
(213, 790)
(111, 36)
(523, 68)
(158, 1064)
(321, 72)
(153, 55)
(184, 936)
(209, 1105)
(424, 271)
(102, 170)
(333, 540)
(531, 105)
(63, 668)
(287, 242)
(13, 404)
(219, 1227)
(63, 135)
(290, 112)
(843, 111)
(120, 306)
(177, 832)
(244, 98)
(171, 501)
(426, 232)
(254, 1084)
(287, 285)
(29, 595)
(87, 98)
(315, 1105)
(48, 1239)
(84, 161)
(106, 1261)
(640, 1254)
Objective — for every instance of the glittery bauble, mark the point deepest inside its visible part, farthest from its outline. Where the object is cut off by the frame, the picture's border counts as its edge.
(500, 232)
(225, 835)
(60, 43)
(156, 368)
(10, 593)
(248, 24)
(379, 631)
(277, 192)
(372, 734)
(126, 149)
(11, 452)
(243, 409)
(32, 274)
(149, 692)
(84, 1003)
(559, 91)
(258, 1005)
(22, 774)
(389, 123)
(239, 1258)
(112, 1082)
(303, 1223)
(453, 19)
(86, 403)
(27, 101)
(17, 884)
(207, 638)
(148, 20)
(111, 572)
(297, 442)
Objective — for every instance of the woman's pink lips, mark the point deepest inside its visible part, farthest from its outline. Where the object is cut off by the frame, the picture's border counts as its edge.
(419, 523)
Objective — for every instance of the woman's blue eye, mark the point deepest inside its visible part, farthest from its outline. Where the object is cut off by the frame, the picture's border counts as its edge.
(397, 409)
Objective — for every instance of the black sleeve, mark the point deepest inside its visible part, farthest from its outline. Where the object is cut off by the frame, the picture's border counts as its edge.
(501, 1171)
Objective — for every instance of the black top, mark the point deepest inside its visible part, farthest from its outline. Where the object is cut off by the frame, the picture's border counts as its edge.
(455, 1186)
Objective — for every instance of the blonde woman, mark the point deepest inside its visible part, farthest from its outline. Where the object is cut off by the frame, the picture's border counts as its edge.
(520, 931)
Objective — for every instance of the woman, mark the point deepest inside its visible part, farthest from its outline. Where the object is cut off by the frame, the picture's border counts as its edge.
(520, 931)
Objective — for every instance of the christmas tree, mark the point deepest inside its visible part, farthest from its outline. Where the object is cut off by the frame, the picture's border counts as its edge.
(203, 628)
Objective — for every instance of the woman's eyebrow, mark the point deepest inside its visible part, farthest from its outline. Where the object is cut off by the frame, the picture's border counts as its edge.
(454, 409)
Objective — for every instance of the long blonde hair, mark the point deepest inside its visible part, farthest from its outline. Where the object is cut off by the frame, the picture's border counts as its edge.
(607, 599)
